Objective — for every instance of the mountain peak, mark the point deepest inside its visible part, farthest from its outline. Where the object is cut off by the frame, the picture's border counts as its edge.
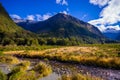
(61, 16)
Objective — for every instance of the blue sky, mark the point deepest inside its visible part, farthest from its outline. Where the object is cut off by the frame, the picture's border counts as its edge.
(92, 11)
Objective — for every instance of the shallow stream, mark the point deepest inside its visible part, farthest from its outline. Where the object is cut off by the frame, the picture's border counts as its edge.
(60, 68)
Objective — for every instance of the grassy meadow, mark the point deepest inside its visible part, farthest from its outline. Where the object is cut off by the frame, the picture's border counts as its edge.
(97, 55)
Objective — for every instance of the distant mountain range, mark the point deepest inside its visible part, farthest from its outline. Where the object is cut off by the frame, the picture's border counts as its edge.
(112, 33)
(118, 37)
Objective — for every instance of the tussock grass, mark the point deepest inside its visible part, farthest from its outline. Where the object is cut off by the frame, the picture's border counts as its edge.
(78, 76)
(8, 59)
(3, 76)
(42, 69)
(23, 76)
(21, 71)
(106, 55)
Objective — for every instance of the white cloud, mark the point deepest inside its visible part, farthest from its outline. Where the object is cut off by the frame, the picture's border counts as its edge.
(109, 16)
(38, 17)
(58, 1)
(111, 13)
(99, 2)
(30, 17)
(46, 16)
(117, 27)
(62, 2)
(42, 17)
(65, 12)
(15, 16)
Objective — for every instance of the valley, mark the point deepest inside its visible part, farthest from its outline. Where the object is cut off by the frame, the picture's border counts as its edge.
(59, 47)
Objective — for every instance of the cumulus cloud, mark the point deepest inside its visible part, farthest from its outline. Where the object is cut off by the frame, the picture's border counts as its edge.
(99, 2)
(15, 16)
(109, 16)
(30, 17)
(62, 2)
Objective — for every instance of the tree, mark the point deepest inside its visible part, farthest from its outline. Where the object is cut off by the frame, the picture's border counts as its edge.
(7, 41)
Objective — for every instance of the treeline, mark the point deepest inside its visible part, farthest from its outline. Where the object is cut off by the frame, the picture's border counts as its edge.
(42, 41)
(48, 41)
(37, 41)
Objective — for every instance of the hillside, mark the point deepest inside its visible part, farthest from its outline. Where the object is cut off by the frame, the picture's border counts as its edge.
(62, 26)
(10, 33)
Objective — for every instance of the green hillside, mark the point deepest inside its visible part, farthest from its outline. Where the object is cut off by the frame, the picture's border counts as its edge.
(10, 33)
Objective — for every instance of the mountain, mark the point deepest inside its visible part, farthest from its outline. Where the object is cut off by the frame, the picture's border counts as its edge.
(10, 33)
(63, 26)
(118, 37)
(111, 33)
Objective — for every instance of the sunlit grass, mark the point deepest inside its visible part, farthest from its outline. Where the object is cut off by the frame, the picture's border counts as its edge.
(8, 59)
(22, 71)
(78, 76)
(42, 69)
(106, 55)
(3, 76)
